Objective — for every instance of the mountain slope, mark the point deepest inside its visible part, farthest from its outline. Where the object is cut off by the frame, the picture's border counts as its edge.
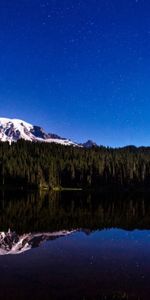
(11, 130)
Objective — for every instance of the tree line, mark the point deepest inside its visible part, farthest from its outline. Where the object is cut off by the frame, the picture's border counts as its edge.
(27, 164)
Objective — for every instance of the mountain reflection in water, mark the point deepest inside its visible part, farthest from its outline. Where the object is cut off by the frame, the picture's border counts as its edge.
(12, 243)
(82, 246)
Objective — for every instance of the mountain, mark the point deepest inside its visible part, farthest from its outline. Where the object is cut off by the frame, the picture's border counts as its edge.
(89, 144)
(11, 130)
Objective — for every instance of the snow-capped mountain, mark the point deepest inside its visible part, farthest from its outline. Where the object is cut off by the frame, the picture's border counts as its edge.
(12, 130)
(12, 243)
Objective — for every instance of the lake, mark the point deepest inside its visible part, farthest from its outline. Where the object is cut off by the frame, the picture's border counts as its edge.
(74, 245)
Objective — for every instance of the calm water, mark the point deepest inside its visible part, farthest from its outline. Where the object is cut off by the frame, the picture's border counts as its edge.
(74, 246)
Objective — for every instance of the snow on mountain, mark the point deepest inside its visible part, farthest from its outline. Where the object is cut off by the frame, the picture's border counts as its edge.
(12, 130)
(12, 243)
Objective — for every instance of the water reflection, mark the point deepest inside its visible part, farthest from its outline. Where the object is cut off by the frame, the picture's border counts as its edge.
(12, 243)
(82, 246)
(34, 212)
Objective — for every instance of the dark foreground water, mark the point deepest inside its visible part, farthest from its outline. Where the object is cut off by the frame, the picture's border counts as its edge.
(74, 246)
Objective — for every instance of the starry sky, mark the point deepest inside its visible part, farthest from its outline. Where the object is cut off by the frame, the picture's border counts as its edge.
(79, 68)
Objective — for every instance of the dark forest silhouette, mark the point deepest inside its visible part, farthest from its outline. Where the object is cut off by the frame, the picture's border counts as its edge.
(27, 164)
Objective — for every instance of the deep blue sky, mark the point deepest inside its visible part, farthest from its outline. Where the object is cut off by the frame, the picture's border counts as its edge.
(79, 68)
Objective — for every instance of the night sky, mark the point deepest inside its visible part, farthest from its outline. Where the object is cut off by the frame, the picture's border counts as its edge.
(79, 68)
